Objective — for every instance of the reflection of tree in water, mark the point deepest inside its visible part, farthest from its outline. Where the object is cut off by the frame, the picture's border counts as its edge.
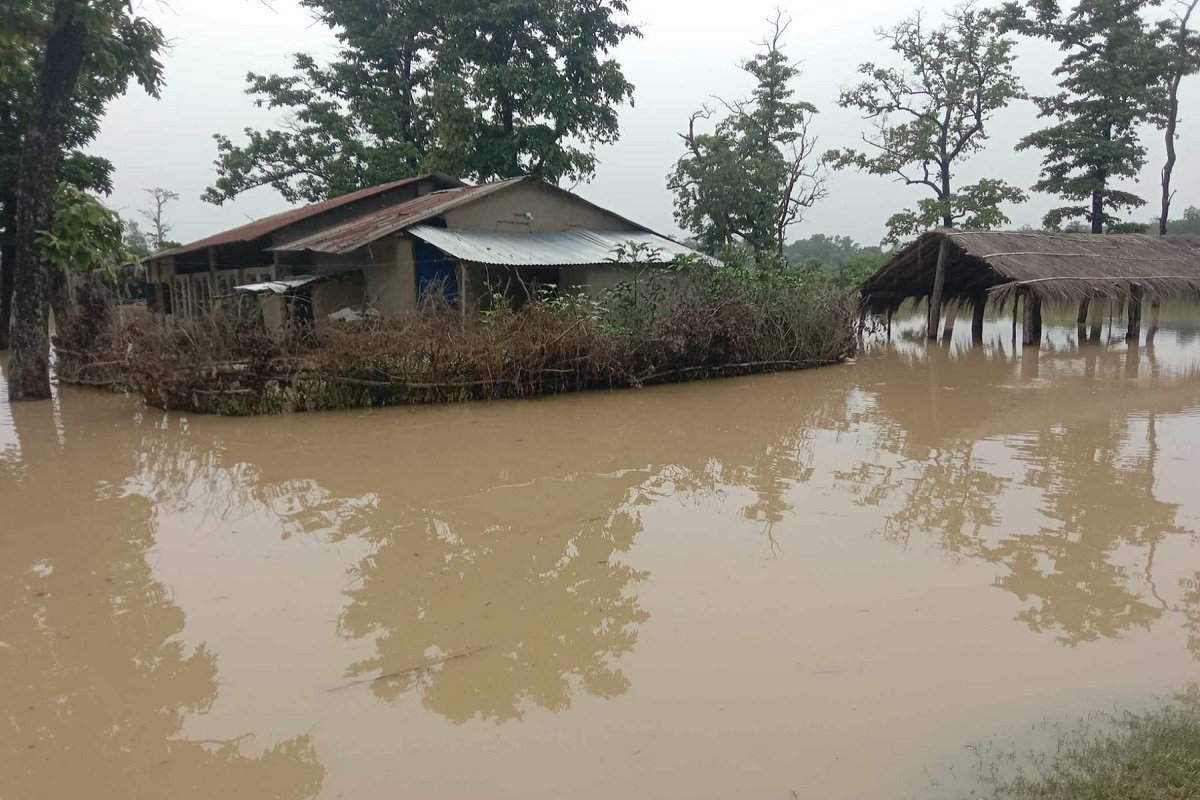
(953, 496)
(501, 602)
(1103, 501)
(1094, 479)
(97, 681)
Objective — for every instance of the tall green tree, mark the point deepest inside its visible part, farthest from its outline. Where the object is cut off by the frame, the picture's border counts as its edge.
(932, 114)
(21, 45)
(82, 52)
(1111, 81)
(752, 177)
(481, 89)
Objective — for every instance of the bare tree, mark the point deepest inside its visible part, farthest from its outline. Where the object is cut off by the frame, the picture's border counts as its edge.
(1185, 60)
(156, 215)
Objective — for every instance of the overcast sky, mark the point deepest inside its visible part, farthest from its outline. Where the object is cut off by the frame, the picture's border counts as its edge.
(689, 53)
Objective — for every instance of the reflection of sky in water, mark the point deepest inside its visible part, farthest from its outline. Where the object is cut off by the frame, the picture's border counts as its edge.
(846, 569)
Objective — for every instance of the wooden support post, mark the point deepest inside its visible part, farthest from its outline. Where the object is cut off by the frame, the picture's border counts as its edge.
(1016, 298)
(1155, 319)
(889, 324)
(951, 318)
(1084, 305)
(1134, 332)
(212, 280)
(939, 288)
(1031, 329)
(1097, 319)
(978, 310)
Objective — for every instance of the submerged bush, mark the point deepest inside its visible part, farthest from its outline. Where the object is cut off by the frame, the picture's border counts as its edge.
(704, 321)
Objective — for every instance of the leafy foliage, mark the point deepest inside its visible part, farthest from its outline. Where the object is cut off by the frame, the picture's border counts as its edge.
(754, 175)
(933, 114)
(828, 249)
(86, 235)
(1112, 81)
(481, 90)
(1189, 223)
(123, 47)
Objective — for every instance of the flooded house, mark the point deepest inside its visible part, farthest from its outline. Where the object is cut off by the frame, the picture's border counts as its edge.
(380, 250)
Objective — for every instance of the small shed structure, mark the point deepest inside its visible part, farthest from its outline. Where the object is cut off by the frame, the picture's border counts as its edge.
(1036, 267)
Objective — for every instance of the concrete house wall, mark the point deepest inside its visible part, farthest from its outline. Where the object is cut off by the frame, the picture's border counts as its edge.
(530, 207)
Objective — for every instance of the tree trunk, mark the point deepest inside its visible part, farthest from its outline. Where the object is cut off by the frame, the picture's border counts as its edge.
(1179, 68)
(8, 257)
(41, 152)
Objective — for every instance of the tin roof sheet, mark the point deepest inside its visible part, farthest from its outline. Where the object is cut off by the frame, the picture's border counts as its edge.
(282, 285)
(267, 225)
(363, 230)
(575, 246)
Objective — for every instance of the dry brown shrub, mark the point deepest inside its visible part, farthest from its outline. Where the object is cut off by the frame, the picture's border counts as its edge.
(695, 328)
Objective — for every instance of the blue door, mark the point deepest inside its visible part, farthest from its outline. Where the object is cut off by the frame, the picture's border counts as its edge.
(435, 272)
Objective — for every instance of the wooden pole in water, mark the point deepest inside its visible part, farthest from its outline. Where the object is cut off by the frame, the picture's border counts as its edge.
(939, 287)
(889, 324)
(1016, 302)
(1097, 322)
(1031, 330)
(978, 309)
(951, 318)
(1155, 318)
(1134, 332)
(1084, 305)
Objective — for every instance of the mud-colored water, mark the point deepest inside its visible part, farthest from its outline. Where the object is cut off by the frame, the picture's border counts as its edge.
(820, 584)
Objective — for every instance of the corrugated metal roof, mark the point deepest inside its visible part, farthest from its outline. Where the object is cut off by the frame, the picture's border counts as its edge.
(549, 249)
(268, 225)
(363, 230)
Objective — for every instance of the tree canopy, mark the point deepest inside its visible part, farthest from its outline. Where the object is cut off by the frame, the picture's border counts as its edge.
(61, 61)
(482, 90)
(751, 178)
(121, 47)
(932, 114)
(1111, 81)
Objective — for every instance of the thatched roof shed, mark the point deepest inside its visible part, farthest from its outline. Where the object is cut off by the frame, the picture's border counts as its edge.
(1055, 268)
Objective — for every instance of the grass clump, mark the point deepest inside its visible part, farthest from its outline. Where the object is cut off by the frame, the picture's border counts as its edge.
(1153, 755)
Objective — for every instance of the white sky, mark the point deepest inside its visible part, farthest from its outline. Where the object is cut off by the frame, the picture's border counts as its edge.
(689, 53)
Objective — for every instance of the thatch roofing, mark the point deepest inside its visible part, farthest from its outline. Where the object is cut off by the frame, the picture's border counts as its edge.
(1056, 267)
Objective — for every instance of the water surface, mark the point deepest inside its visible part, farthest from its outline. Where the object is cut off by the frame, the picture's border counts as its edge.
(817, 584)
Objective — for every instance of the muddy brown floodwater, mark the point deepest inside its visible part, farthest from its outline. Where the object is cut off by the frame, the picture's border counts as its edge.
(819, 584)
